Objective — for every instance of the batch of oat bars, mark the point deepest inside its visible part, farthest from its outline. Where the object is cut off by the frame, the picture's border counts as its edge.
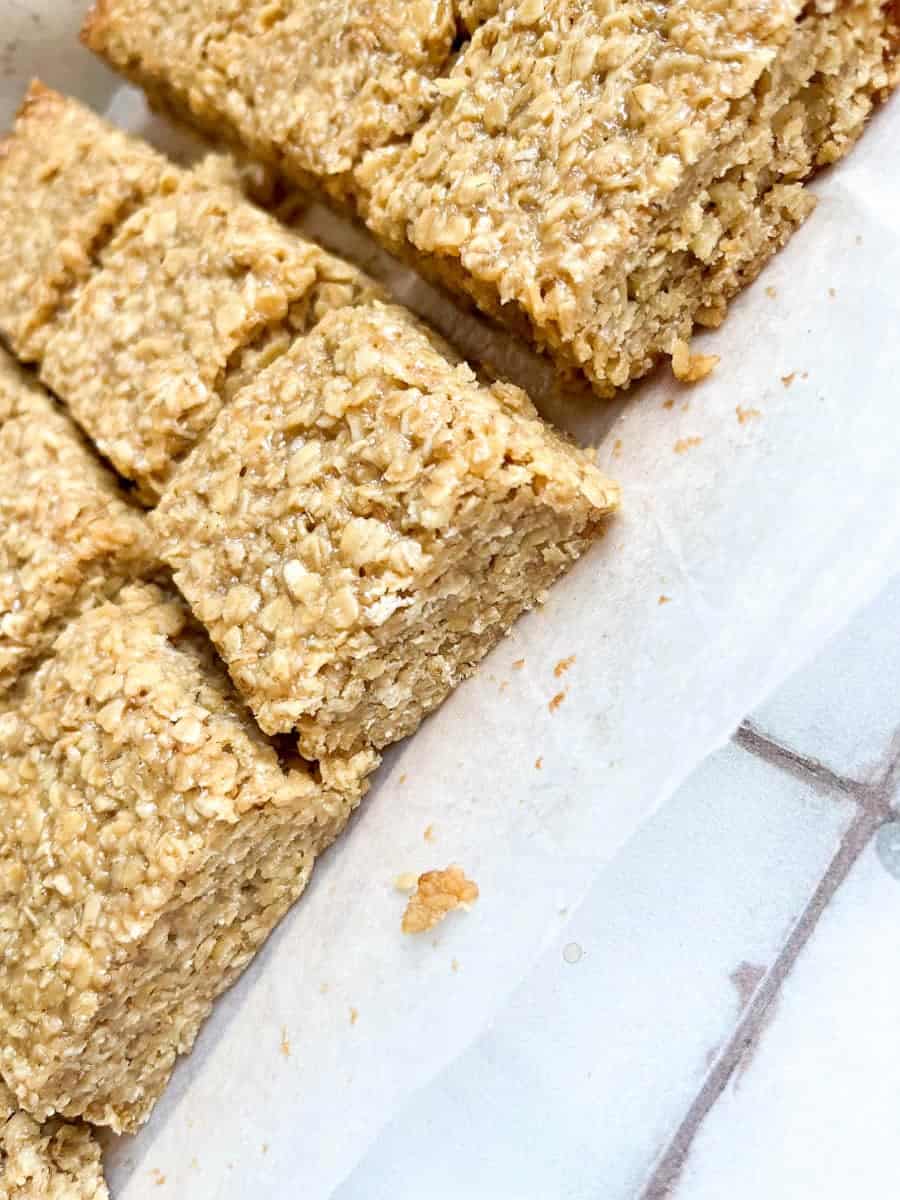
(256, 520)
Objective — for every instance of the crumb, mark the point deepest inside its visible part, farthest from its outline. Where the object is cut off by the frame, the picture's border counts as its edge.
(805, 375)
(664, 600)
(518, 664)
(539, 762)
(691, 368)
(265, 1147)
(354, 1015)
(438, 893)
(406, 882)
(504, 685)
(686, 406)
(402, 778)
(454, 964)
(556, 701)
(158, 1178)
(428, 835)
(285, 1044)
(771, 292)
(832, 292)
(563, 665)
(685, 444)
(787, 380)
(617, 448)
(746, 414)
(670, 403)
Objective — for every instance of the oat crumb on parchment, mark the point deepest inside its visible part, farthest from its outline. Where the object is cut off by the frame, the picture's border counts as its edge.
(539, 762)
(285, 1045)
(354, 1015)
(746, 414)
(684, 444)
(518, 664)
(563, 665)
(429, 834)
(438, 893)
(691, 368)
(406, 882)
(788, 379)
(556, 701)
(771, 292)
(664, 600)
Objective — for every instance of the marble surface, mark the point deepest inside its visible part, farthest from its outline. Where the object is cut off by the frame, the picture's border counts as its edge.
(719, 1018)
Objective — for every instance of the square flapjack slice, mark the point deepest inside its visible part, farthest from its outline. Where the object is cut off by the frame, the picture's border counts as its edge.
(364, 523)
(152, 840)
(310, 84)
(605, 177)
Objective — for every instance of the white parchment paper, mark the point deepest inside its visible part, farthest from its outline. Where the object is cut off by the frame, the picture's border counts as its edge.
(761, 508)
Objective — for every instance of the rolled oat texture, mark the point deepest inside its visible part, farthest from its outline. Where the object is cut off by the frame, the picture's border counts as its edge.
(68, 538)
(602, 177)
(67, 180)
(153, 838)
(53, 1161)
(19, 391)
(197, 291)
(363, 524)
(309, 84)
(607, 176)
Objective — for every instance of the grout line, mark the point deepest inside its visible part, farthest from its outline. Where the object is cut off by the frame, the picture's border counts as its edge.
(752, 739)
(874, 795)
(665, 1176)
(889, 782)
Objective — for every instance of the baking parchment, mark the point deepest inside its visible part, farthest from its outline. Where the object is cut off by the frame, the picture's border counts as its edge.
(761, 509)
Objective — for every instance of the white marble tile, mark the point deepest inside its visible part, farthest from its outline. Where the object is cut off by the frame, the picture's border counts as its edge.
(815, 1115)
(844, 708)
(586, 1073)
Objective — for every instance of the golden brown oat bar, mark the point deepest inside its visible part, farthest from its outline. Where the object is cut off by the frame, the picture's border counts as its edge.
(68, 539)
(53, 1161)
(363, 524)
(152, 840)
(197, 290)
(309, 83)
(608, 174)
(67, 179)
(601, 177)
